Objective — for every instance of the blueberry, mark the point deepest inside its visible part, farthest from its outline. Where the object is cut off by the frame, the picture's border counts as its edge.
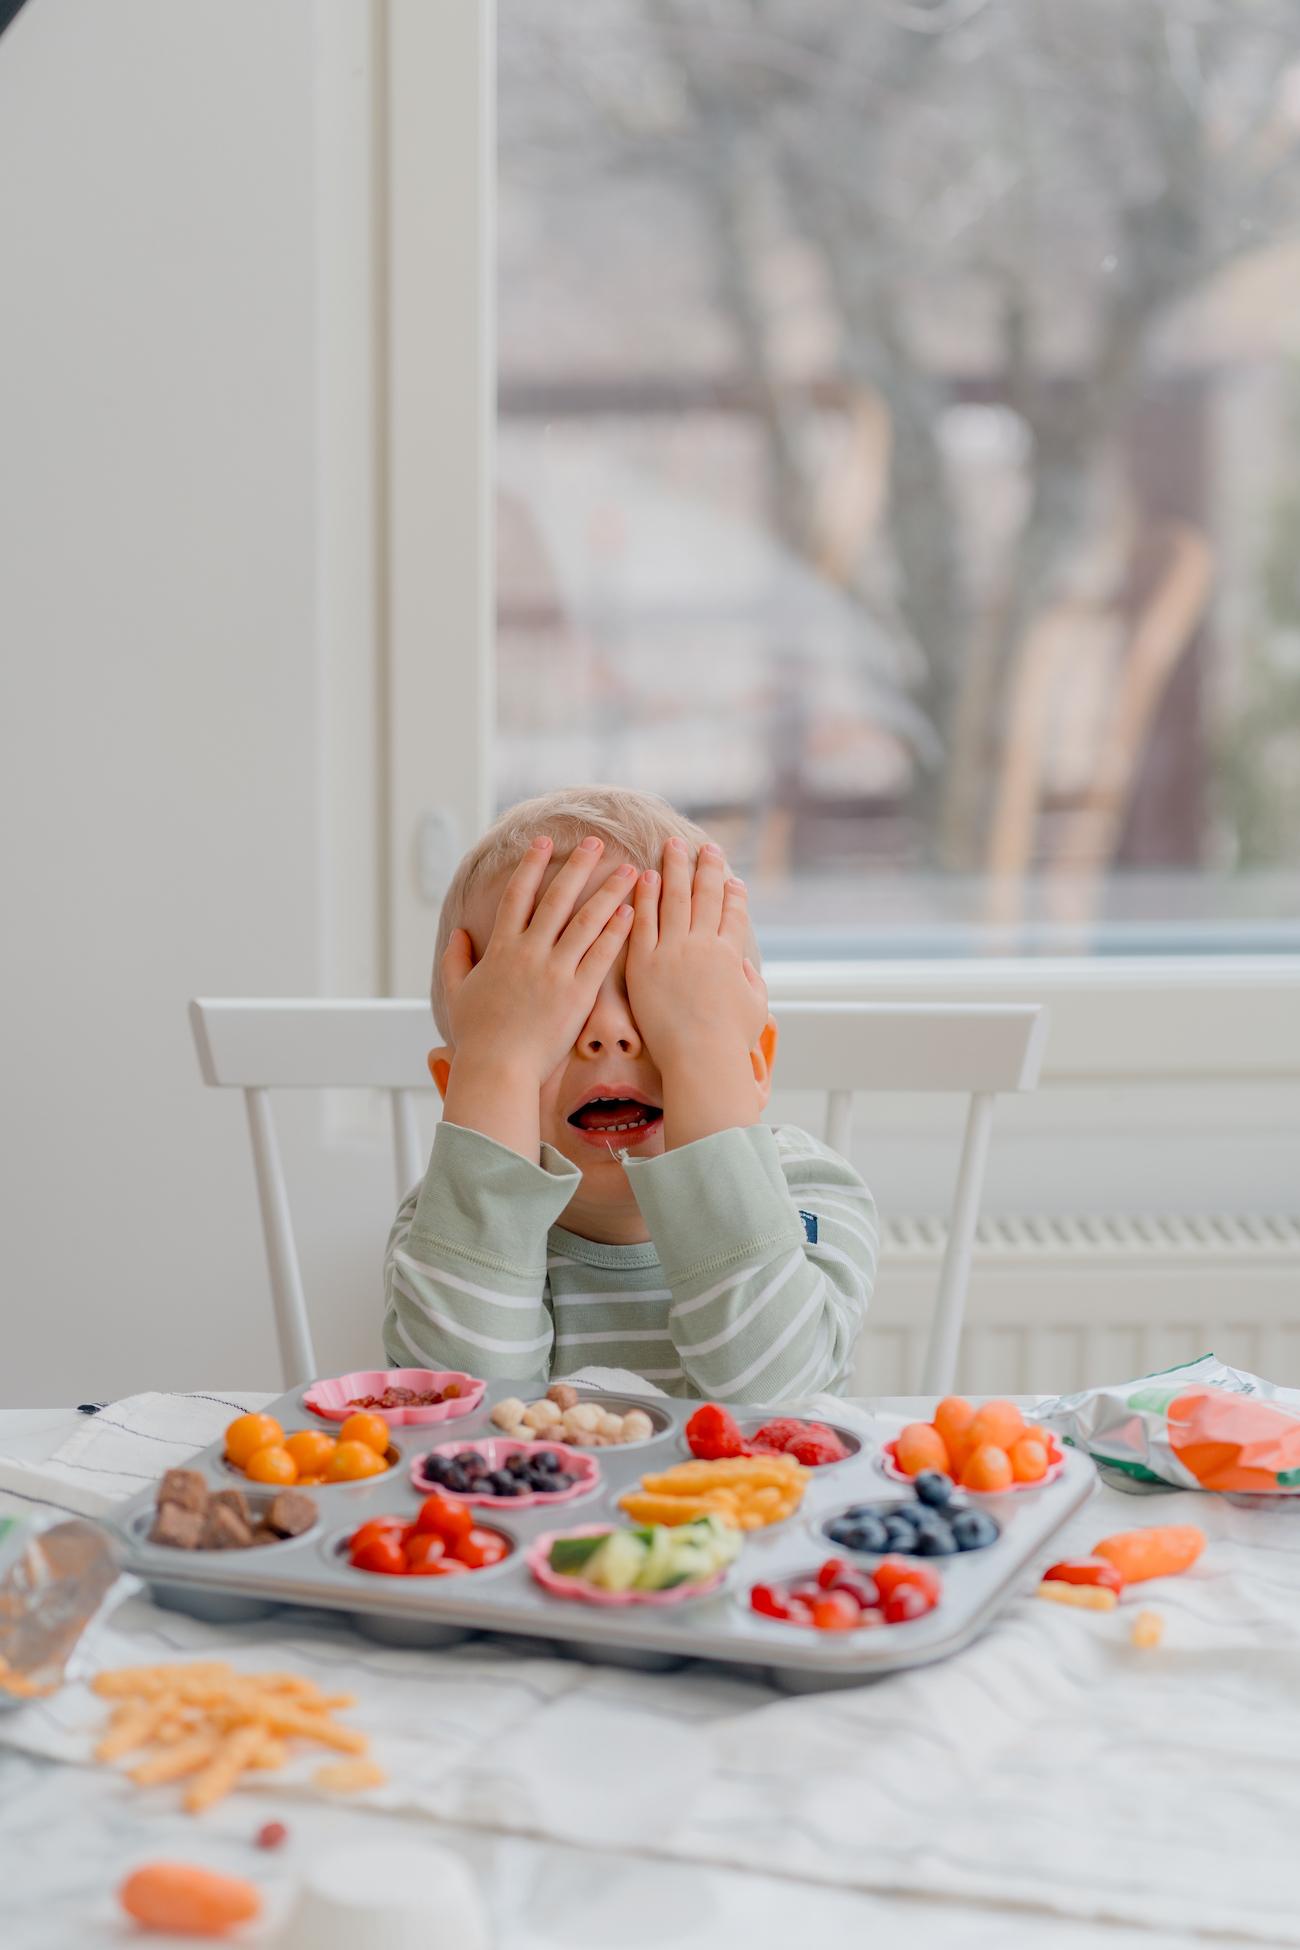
(972, 1530)
(934, 1541)
(873, 1534)
(933, 1487)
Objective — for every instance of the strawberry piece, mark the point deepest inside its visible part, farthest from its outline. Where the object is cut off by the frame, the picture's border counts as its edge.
(836, 1612)
(768, 1600)
(907, 1600)
(712, 1434)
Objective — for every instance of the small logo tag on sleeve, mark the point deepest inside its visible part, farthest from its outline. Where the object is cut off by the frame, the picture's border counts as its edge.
(809, 1227)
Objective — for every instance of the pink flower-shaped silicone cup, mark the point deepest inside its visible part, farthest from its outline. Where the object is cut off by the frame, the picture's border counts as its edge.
(495, 1450)
(332, 1399)
(537, 1560)
(1056, 1463)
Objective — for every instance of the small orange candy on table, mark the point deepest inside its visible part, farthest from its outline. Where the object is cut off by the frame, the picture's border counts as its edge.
(920, 1446)
(249, 1433)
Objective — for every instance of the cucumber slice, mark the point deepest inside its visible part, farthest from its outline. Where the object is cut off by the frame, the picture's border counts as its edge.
(570, 1554)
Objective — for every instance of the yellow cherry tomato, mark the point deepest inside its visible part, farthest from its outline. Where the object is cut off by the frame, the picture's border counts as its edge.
(249, 1433)
(367, 1428)
(311, 1450)
(353, 1460)
(273, 1464)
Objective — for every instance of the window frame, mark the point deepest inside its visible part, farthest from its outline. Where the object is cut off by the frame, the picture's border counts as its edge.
(1211, 1019)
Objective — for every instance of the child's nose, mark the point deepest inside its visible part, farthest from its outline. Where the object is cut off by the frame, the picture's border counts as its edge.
(610, 1025)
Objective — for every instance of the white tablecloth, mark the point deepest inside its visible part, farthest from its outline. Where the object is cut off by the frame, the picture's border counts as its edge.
(1052, 1765)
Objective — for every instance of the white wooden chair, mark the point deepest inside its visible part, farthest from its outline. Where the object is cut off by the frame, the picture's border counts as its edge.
(979, 1050)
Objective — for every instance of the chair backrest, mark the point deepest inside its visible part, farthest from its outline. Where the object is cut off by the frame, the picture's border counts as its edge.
(978, 1050)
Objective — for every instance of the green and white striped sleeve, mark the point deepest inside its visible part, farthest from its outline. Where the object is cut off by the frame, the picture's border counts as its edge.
(465, 1266)
(768, 1241)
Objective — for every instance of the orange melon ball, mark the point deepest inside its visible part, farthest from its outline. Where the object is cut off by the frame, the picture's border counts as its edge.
(273, 1464)
(367, 1428)
(953, 1418)
(311, 1450)
(998, 1422)
(353, 1460)
(987, 1468)
(1029, 1458)
(249, 1433)
(920, 1446)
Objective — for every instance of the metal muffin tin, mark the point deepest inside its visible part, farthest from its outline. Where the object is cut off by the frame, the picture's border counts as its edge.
(226, 1586)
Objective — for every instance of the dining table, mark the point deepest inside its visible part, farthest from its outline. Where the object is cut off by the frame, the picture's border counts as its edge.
(1052, 1786)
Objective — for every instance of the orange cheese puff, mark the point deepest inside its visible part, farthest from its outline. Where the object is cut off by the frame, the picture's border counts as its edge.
(1155, 1553)
(193, 1902)
(1087, 1597)
(1148, 1629)
(920, 1446)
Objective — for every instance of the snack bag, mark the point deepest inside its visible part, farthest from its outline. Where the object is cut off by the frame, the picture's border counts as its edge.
(54, 1579)
(1201, 1426)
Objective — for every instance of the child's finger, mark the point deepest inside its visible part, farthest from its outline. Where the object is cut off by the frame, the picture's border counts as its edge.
(734, 925)
(457, 961)
(706, 895)
(645, 923)
(758, 990)
(516, 903)
(675, 894)
(593, 915)
(604, 950)
(555, 908)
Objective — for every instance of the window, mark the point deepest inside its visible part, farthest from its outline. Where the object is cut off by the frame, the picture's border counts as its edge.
(898, 456)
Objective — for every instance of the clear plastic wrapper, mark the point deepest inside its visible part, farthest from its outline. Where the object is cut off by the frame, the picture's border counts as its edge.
(54, 1578)
(1200, 1426)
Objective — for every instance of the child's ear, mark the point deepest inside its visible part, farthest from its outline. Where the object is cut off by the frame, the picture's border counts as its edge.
(762, 1057)
(439, 1061)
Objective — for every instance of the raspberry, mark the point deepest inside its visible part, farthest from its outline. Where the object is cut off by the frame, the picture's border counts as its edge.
(712, 1434)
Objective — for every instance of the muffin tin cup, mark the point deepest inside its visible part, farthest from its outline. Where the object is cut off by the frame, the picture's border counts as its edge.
(332, 1400)
(749, 1425)
(616, 1404)
(572, 1590)
(505, 1600)
(392, 1457)
(888, 1466)
(497, 1450)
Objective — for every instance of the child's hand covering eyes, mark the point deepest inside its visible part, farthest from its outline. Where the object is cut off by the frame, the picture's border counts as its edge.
(525, 1002)
(689, 984)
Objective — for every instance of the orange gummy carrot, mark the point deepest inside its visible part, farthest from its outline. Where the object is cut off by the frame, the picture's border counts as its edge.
(1155, 1553)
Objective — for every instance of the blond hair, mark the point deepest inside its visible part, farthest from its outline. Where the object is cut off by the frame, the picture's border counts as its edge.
(633, 825)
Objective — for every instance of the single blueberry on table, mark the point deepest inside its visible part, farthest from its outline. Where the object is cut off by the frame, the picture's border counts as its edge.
(933, 1487)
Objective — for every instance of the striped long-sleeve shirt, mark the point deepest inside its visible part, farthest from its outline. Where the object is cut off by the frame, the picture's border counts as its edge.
(752, 1286)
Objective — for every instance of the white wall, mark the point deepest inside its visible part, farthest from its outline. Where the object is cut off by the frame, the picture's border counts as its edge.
(162, 729)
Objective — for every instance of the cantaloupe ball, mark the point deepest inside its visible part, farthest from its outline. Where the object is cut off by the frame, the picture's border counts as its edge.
(999, 1422)
(920, 1446)
(987, 1468)
(1029, 1458)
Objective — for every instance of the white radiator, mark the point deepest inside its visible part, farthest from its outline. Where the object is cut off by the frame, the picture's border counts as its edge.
(1063, 1303)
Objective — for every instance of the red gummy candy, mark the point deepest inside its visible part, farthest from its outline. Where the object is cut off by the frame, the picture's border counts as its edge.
(712, 1434)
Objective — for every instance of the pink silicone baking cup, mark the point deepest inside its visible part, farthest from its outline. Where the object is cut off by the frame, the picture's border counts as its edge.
(495, 1450)
(564, 1587)
(889, 1464)
(330, 1399)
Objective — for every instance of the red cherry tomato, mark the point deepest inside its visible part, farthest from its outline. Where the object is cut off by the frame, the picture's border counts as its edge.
(906, 1601)
(381, 1554)
(449, 1521)
(376, 1527)
(1085, 1570)
(893, 1571)
(424, 1551)
(836, 1612)
(479, 1549)
(444, 1567)
(767, 1600)
(831, 1572)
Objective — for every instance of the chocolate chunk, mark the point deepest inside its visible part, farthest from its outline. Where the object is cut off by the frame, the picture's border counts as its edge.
(233, 1500)
(185, 1488)
(178, 1528)
(224, 1529)
(291, 1513)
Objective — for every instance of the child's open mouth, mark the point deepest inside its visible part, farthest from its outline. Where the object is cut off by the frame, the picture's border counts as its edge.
(616, 1121)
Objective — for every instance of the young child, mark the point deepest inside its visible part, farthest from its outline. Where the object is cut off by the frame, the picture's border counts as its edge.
(601, 1189)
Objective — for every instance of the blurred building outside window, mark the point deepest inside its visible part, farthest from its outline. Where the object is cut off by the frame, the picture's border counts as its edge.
(899, 456)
